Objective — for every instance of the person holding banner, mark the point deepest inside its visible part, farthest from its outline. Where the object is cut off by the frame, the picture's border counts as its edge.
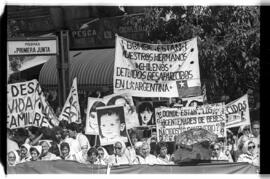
(65, 152)
(35, 152)
(92, 157)
(46, 155)
(102, 155)
(163, 157)
(25, 152)
(249, 154)
(120, 157)
(145, 157)
(217, 154)
(13, 158)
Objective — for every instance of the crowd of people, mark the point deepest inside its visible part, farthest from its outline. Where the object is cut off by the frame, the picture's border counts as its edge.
(68, 142)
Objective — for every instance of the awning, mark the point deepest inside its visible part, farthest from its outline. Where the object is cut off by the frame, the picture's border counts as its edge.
(93, 69)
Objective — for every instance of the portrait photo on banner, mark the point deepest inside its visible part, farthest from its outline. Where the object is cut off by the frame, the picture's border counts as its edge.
(91, 126)
(112, 125)
(146, 112)
(125, 100)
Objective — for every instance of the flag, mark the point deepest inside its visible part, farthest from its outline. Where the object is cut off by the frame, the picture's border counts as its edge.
(71, 109)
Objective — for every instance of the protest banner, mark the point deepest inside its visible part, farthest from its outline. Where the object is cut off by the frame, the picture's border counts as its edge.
(91, 126)
(238, 112)
(125, 100)
(111, 123)
(157, 70)
(71, 110)
(27, 106)
(171, 122)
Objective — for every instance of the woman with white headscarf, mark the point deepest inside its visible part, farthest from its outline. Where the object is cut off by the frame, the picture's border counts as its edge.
(25, 152)
(103, 154)
(35, 152)
(249, 154)
(120, 157)
(46, 155)
(13, 158)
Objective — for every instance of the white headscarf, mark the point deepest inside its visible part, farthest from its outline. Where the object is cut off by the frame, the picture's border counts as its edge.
(106, 155)
(245, 147)
(38, 148)
(123, 150)
(17, 160)
(27, 146)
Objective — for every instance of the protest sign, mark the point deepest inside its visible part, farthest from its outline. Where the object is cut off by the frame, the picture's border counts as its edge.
(238, 112)
(157, 70)
(125, 100)
(71, 109)
(91, 126)
(171, 122)
(146, 112)
(111, 123)
(27, 106)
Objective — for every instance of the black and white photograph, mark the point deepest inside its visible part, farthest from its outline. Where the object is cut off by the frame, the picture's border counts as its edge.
(126, 89)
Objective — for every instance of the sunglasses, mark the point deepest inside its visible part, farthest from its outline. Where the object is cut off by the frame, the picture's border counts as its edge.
(118, 148)
(251, 147)
(216, 149)
(100, 153)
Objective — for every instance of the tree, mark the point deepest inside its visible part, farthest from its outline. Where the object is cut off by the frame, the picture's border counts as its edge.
(228, 42)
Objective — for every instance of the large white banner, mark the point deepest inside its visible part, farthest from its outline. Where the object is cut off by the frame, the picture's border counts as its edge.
(157, 70)
(71, 110)
(238, 112)
(171, 122)
(123, 99)
(27, 106)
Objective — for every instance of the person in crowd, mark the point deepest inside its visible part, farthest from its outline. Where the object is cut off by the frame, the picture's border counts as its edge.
(131, 117)
(75, 133)
(249, 154)
(92, 157)
(34, 134)
(131, 149)
(145, 114)
(245, 130)
(145, 157)
(137, 147)
(217, 153)
(46, 155)
(11, 144)
(63, 124)
(73, 143)
(256, 135)
(65, 152)
(25, 152)
(231, 145)
(13, 158)
(35, 152)
(20, 135)
(56, 141)
(195, 103)
(120, 157)
(178, 103)
(163, 157)
(102, 155)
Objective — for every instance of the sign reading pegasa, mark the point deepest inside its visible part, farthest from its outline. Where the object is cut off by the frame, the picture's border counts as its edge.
(157, 70)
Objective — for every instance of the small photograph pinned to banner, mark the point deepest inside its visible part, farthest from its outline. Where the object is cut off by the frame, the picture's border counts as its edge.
(112, 125)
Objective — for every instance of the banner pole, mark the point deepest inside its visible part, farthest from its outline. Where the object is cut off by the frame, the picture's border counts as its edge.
(95, 141)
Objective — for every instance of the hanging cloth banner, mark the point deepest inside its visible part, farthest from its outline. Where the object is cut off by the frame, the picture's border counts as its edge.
(157, 70)
(27, 106)
(238, 112)
(71, 109)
